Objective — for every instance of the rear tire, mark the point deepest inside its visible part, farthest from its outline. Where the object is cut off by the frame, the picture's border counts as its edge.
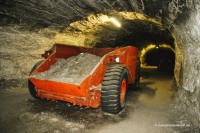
(31, 86)
(114, 88)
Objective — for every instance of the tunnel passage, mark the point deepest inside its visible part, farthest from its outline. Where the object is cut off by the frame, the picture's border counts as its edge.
(163, 58)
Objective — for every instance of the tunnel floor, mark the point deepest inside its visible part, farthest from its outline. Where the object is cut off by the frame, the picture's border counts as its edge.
(147, 111)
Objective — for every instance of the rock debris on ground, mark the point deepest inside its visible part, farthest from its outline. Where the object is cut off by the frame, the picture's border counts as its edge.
(71, 70)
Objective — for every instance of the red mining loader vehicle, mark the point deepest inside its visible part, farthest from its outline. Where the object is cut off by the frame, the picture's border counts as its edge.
(105, 86)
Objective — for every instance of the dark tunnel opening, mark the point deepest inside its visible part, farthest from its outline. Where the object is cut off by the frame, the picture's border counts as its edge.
(162, 58)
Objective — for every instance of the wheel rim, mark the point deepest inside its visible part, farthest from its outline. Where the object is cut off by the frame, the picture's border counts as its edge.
(123, 91)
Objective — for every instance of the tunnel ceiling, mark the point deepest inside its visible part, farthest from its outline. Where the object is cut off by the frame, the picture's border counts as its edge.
(78, 22)
(97, 30)
(60, 14)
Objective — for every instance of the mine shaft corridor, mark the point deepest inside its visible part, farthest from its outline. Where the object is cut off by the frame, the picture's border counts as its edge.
(146, 110)
(166, 34)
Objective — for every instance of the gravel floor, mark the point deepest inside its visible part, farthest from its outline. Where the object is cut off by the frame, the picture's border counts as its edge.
(146, 111)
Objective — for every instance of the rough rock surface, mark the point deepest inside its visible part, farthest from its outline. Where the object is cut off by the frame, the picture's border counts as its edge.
(72, 70)
(20, 50)
(187, 71)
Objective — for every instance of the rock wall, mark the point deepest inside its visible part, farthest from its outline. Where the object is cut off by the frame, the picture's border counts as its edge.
(187, 72)
(20, 50)
(182, 18)
(42, 13)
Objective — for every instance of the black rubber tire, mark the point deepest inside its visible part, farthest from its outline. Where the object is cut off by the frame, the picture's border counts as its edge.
(31, 86)
(111, 88)
(137, 75)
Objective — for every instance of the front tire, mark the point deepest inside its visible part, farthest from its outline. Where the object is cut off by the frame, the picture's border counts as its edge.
(31, 86)
(114, 89)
